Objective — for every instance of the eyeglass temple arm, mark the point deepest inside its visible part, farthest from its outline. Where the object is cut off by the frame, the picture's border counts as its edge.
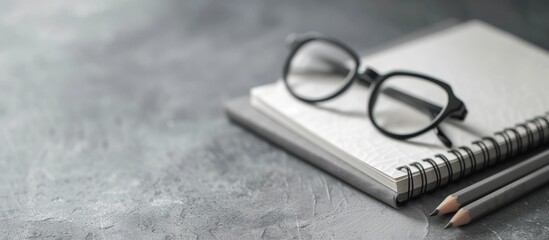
(368, 78)
(442, 136)
(412, 101)
(419, 104)
(423, 106)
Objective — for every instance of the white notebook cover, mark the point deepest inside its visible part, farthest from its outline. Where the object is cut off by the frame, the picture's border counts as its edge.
(503, 81)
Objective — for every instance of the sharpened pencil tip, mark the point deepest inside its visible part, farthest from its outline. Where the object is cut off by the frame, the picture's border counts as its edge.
(449, 225)
(434, 213)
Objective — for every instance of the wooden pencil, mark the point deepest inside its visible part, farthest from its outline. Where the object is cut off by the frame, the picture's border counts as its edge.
(500, 197)
(469, 194)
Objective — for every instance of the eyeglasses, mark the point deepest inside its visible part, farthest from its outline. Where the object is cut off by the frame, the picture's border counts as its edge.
(402, 104)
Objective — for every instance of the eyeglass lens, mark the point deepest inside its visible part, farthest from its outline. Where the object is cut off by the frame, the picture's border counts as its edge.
(406, 117)
(319, 69)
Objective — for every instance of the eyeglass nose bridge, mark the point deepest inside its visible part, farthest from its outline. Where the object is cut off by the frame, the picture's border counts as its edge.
(368, 77)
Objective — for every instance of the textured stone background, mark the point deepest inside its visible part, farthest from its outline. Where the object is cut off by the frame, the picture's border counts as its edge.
(112, 124)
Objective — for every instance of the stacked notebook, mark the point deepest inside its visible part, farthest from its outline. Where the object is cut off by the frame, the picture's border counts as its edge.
(503, 80)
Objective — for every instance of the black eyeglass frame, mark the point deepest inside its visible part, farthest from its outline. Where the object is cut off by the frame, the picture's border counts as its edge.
(298, 42)
(455, 108)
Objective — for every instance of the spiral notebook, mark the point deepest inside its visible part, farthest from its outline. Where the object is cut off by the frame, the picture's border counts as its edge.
(501, 78)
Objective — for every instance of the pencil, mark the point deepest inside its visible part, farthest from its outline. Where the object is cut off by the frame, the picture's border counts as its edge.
(500, 197)
(469, 194)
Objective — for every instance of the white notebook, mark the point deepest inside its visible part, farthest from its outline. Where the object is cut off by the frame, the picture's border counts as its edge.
(503, 80)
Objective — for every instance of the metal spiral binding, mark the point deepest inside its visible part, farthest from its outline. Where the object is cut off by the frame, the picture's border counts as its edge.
(410, 183)
(461, 160)
(423, 176)
(437, 172)
(543, 131)
(496, 146)
(517, 136)
(472, 158)
(540, 122)
(508, 143)
(540, 131)
(529, 134)
(485, 153)
(448, 167)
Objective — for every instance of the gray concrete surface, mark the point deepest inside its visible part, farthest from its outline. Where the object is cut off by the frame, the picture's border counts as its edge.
(112, 124)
